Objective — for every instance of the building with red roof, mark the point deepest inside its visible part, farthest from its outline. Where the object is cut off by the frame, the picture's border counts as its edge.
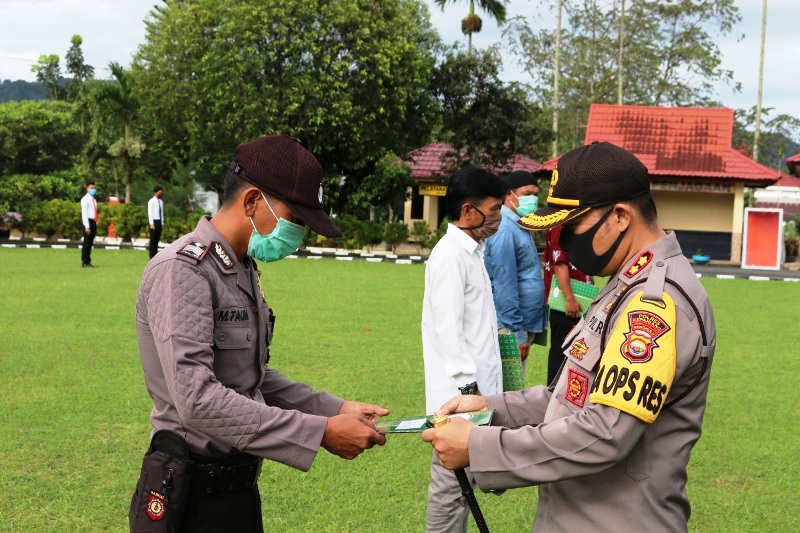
(696, 177)
(785, 193)
(793, 163)
(431, 166)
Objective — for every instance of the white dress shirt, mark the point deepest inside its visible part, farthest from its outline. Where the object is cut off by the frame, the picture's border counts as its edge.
(155, 210)
(459, 325)
(88, 209)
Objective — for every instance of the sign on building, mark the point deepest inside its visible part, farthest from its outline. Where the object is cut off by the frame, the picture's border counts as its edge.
(432, 189)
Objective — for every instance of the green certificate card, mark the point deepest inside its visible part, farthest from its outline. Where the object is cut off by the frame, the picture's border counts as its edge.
(416, 424)
(584, 294)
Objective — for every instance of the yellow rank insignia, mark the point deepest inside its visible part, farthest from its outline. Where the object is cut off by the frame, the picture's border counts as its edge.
(637, 266)
(638, 364)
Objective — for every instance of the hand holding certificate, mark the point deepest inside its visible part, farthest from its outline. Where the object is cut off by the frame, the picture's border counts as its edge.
(416, 424)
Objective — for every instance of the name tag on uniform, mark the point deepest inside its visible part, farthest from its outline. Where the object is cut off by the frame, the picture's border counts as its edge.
(235, 314)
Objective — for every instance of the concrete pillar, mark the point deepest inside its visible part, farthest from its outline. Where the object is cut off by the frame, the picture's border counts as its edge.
(737, 226)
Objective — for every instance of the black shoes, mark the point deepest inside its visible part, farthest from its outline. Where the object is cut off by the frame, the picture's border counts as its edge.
(87, 265)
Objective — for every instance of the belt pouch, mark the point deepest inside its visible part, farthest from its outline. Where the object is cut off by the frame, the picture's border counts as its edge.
(163, 488)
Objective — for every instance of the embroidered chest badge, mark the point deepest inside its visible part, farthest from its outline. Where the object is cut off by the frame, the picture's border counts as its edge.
(222, 255)
(577, 387)
(640, 341)
(579, 349)
(639, 264)
(155, 506)
(195, 250)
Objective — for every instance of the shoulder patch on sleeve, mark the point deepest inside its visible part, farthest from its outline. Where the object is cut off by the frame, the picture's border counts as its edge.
(195, 250)
(638, 365)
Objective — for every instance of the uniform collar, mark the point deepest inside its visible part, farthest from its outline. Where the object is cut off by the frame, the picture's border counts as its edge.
(507, 212)
(218, 246)
(469, 244)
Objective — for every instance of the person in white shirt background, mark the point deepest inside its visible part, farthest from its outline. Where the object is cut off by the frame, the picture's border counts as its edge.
(155, 213)
(89, 218)
(460, 347)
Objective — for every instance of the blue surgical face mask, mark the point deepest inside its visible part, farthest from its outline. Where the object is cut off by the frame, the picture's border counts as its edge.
(527, 204)
(92, 191)
(284, 240)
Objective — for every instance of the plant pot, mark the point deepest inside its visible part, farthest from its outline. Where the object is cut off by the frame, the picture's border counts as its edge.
(701, 259)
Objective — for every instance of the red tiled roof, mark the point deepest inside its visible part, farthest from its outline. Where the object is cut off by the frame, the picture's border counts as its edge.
(518, 162)
(793, 163)
(787, 181)
(429, 161)
(688, 142)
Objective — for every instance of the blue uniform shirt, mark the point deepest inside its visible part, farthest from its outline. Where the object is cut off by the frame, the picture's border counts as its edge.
(513, 265)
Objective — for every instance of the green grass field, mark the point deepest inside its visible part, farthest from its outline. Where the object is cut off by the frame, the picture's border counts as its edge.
(75, 418)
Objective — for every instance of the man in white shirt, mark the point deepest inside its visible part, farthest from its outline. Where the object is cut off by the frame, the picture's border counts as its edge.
(155, 213)
(89, 218)
(459, 326)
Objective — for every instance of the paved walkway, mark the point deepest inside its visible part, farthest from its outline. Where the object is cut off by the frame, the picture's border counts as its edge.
(408, 254)
(732, 272)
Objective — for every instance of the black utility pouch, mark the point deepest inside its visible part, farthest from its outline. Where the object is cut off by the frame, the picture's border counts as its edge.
(163, 488)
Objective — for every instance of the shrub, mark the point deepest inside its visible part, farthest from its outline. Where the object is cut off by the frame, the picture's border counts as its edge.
(129, 220)
(56, 217)
(791, 238)
(440, 232)
(179, 223)
(348, 225)
(369, 234)
(422, 234)
(16, 220)
(22, 192)
(395, 234)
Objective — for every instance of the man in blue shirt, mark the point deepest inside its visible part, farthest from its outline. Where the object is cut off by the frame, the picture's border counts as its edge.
(513, 265)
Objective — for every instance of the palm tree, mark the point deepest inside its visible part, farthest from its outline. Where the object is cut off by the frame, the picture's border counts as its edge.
(114, 111)
(472, 23)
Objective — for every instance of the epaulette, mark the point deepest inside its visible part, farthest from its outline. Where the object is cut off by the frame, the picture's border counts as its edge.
(194, 250)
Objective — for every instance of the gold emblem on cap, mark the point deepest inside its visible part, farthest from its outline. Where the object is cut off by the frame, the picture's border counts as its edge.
(553, 180)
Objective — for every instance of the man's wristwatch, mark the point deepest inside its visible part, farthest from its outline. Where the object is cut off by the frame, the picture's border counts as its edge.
(469, 389)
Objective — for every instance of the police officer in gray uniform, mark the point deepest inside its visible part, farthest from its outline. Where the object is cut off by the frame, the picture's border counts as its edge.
(204, 330)
(608, 442)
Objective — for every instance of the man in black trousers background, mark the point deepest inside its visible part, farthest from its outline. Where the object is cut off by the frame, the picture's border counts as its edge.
(155, 213)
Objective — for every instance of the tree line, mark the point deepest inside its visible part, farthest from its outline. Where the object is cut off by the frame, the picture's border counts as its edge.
(359, 84)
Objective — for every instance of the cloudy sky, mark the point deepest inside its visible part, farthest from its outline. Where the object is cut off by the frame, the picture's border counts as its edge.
(112, 30)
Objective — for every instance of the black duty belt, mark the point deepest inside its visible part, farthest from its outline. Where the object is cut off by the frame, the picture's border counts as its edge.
(225, 476)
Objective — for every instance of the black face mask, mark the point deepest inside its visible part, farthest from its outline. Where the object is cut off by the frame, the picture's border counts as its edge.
(581, 253)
